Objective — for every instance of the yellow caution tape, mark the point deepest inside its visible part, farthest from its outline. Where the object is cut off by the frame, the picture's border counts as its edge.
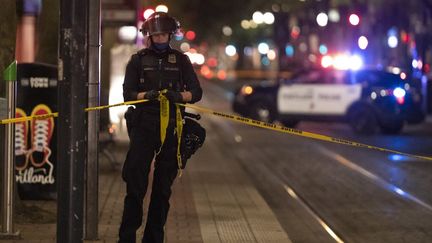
(179, 130)
(164, 117)
(296, 132)
(240, 119)
(55, 114)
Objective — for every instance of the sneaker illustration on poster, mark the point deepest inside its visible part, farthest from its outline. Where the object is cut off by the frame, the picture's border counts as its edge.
(41, 133)
(21, 139)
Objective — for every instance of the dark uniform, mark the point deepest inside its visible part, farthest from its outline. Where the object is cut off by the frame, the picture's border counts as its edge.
(149, 70)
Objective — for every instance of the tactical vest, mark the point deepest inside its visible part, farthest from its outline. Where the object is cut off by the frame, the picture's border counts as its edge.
(159, 73)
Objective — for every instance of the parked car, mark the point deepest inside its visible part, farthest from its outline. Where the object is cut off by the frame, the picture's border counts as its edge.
(369, 100)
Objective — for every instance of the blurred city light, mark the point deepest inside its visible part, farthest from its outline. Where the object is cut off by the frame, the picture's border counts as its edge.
(363, 42)
(405, 37)
(417, 64)
(199, 59)
(227, 31)
(245, 24)
(252, 24)
(127, 33)
(265, 61)
(190, 35)
(289, 50)
(323, 49)
(248, 51)
(322, 19)
(184, 46)
(392, 41)
(344, 62)
(195, 57)
(162, 8)
(303, 47)
(271, 54)
(258, 17)
(334, 15)
(148, 12)
(179, 36)
(399, 92)
(355, 62)
(295, 32)
(263, 48)
(230, 50)
(221, 74)
(276, 8)
(395, 70)
(268, 18)
(326, 61)
(312, 58)
(212, 62)
(246, 90)
(354, 19)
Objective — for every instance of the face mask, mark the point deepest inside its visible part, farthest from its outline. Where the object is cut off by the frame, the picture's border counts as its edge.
(161, 46)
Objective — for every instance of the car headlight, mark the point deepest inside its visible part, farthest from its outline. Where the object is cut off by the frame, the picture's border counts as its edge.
(246, 90)
(399, 93)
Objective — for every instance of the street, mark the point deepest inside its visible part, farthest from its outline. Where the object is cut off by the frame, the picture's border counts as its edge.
(361, 195)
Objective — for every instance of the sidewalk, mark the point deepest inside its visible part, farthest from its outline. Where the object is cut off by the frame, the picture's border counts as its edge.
(214, 201)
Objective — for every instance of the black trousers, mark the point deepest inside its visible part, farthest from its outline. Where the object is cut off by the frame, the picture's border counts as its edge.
(144, 144)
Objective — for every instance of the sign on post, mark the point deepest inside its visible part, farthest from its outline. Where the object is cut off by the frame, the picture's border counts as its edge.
(35, 140)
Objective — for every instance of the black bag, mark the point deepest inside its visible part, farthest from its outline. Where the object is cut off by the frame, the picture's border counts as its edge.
(193, 138)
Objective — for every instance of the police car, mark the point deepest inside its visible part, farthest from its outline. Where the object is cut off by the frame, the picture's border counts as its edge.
(369, 100)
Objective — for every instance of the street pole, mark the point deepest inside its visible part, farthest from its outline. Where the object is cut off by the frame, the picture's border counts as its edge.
(92, 175)
(72, 126)
(8, 177)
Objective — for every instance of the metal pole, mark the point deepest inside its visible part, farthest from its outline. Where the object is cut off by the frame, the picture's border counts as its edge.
(92, 170)
(72, 120)
(8, 177)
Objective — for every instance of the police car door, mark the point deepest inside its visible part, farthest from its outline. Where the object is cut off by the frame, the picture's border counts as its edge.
(334, 94)
(296, 96)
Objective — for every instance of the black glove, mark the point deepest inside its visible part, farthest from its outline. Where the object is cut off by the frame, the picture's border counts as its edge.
(173, 96)
(151, 95)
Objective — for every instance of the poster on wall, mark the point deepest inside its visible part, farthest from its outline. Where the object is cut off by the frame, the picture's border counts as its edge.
(35, 140)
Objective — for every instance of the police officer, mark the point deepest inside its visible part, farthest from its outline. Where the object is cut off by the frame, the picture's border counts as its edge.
(151, 70)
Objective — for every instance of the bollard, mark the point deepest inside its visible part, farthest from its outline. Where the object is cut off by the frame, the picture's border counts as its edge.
(8, 163)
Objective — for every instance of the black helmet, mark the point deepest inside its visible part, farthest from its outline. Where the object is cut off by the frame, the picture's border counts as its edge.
(160, 22)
